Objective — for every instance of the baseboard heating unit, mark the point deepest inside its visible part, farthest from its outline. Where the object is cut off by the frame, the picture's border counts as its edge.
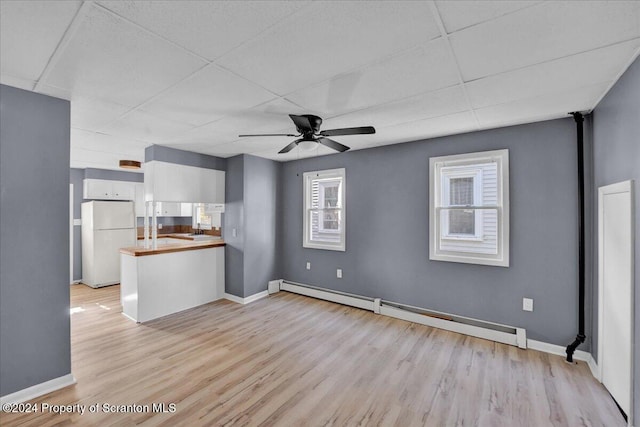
(464, 325)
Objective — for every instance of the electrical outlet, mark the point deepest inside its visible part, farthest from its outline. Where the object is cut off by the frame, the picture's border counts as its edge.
(308, 265)
(339, 273)
(234, 232)
(527, 304)
(159, 226)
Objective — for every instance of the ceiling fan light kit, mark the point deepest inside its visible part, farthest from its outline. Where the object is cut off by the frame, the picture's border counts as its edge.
(130, 164)
(310, 135)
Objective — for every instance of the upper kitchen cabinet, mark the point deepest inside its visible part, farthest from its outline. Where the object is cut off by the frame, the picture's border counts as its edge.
(103, 189)
(170, 182)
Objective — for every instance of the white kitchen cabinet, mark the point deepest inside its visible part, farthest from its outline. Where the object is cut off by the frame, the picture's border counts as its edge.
(139, 199)
(169, 182)
(104, 189)
(186, 209)
(173, 209)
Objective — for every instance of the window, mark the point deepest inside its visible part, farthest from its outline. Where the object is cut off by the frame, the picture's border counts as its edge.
(469, 208)
(324, 207)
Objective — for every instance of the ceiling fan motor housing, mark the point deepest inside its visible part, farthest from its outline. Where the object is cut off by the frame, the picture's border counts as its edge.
(315, 122)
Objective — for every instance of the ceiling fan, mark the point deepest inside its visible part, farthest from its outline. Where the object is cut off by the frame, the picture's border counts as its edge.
(310, 134)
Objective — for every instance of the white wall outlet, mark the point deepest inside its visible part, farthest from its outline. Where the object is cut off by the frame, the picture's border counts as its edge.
(527, 304)
(159, 226)
(308, 265)
(339, 273)
(234, 232)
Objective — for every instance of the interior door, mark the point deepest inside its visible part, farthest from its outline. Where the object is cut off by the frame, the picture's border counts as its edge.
(615, 280)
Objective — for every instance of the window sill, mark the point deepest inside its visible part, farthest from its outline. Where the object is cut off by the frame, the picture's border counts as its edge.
(327, 247)
(463, 239)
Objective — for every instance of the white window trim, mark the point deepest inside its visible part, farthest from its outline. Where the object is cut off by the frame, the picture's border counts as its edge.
(435, 189)
(306, 182)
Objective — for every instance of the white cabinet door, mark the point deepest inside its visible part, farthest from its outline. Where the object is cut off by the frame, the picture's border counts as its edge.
(99, 189)
(123, 190)
(186, 209)
(104, 189)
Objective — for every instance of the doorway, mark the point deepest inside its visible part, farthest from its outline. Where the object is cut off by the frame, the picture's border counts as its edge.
(615, 290)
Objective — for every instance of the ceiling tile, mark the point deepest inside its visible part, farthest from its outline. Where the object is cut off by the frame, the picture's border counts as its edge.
(113, 60)
(431, 128)
(208, 95)
(29, 34)
(294, 154)
(143, 126)
(545, 107)
(208, 28)
(90, 149)
(427, 105)
(270, 117)
(330, 38)
(93, 141)
(418, 70)
(90, 113)
(81, 158)
(465, 13)
(596, 66)
(544, 32)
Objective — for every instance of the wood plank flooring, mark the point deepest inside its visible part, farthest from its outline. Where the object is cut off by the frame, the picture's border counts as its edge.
(290, 360)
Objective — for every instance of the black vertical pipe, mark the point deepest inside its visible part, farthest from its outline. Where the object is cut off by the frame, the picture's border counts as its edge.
(580, 338)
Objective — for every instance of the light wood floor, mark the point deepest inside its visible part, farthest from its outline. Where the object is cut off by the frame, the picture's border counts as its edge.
(290, 360)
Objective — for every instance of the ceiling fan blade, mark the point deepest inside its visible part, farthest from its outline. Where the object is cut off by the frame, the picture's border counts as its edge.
(302, 123)
(349, 131)
(333, 144)
(271, 134)
(290, 146)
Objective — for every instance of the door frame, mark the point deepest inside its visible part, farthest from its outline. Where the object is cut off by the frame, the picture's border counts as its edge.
(617, 188)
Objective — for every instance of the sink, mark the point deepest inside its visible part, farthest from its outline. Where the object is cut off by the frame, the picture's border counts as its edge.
(199, 237)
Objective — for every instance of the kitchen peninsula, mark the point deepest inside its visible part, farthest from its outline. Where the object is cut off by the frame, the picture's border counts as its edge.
(176, 275)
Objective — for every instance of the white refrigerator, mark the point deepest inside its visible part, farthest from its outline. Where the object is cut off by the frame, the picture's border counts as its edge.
(106, 227)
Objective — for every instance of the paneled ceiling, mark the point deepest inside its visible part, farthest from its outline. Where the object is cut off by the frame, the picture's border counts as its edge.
(194, 74)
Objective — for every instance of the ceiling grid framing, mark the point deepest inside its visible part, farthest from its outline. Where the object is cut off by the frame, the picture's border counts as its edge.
(510, 63)
(445, 37)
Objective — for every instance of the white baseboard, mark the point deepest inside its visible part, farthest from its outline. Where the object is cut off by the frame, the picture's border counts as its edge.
(38, 390)
(461, 328)
(246, 300)
(593, 365)
(580, 355)
(558, 350)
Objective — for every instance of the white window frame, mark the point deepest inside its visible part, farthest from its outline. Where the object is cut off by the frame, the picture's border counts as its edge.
(436, 190)
(307, 179)
(322, 200)
(449, 172)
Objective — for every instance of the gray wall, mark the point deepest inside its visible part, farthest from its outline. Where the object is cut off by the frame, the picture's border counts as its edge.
(260, 198)
(34, 245)
(188, 158)
(250, 208)
(387, 236)
(234, 219)
(616, 154)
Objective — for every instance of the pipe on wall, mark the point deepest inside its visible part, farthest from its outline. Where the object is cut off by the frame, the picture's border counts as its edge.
(580, 337)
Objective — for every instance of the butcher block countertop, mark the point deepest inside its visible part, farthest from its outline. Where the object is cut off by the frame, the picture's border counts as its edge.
(178, 244)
